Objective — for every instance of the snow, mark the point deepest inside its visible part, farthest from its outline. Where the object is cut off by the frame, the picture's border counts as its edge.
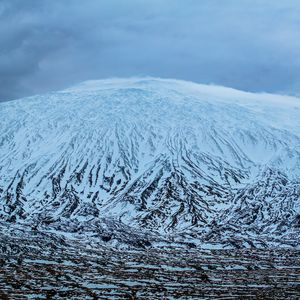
(107, 145)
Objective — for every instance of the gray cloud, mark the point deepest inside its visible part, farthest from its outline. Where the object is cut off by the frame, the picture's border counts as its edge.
(247, 44)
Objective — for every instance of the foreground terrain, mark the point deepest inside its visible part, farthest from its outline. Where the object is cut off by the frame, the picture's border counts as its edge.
(43, 268)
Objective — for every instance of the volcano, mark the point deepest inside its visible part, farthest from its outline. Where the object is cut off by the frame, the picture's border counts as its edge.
(145, 162)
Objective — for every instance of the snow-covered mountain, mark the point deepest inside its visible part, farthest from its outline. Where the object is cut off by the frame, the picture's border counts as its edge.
(164, 159)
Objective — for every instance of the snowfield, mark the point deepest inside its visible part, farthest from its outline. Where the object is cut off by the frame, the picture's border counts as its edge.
(146, 162)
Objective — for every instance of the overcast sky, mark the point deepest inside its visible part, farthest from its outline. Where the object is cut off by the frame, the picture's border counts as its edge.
(47, 45)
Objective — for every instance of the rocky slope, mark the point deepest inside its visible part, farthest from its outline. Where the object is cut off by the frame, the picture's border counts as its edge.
(34, 267)
(150, 161)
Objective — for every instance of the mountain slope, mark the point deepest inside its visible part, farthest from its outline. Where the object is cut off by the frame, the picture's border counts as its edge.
(172, 159)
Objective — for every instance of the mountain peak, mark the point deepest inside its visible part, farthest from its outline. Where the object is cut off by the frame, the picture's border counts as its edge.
(167, 156)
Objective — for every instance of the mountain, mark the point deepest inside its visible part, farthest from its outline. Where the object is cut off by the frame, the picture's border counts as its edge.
(146, 161)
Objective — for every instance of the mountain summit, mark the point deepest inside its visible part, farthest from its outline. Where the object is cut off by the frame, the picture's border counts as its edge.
(146, 161)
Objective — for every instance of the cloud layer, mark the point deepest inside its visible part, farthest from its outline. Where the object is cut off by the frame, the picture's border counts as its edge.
(47, 45)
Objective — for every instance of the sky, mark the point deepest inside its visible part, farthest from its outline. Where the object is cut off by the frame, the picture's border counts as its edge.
(47, 45)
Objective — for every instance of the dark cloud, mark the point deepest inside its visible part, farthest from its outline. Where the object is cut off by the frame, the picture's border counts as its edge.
(247, 44)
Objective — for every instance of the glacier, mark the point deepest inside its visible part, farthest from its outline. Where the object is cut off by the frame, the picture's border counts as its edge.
(143, 162)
